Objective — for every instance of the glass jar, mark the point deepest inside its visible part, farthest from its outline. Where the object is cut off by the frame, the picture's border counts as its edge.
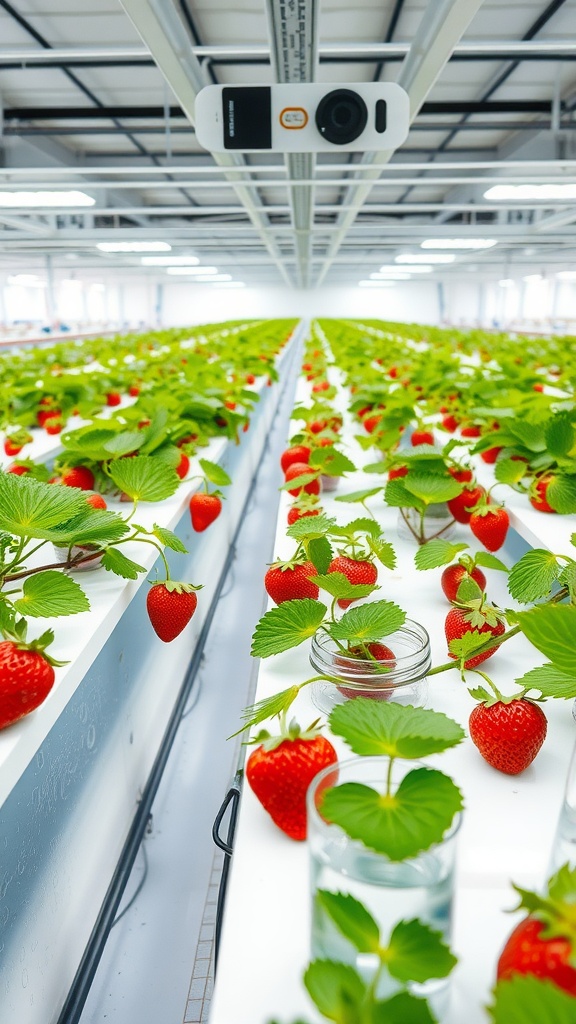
(421, 887)
(564, 843)
(329, 483)
(401, 679)
(437, 521)
(77, 551)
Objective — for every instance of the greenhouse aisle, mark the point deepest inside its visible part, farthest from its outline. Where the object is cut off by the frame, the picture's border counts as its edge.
(158, 962)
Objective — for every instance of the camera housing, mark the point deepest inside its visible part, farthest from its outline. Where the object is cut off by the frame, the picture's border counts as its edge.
(302, 118)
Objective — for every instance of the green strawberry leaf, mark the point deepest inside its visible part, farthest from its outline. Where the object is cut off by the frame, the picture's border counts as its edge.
(299, 481)
(401, 825)
(533, 575)
(338, 585)
(525, 1000)
(363, 524)
(373, 728)
(286, 626)
(368, 622)
(29, 508)
(561, 494)
(437, 552)
(144, 478)
(355, 496)
(310, 526)
(417, 953)
(509, 471)
(403, 1008)
(331, 461)
(551, 628)
(336, 989)
(488, 561)
(92, 526)
(214, 473)
(530, 435)
(567, 578)
(384, 552)
(320, 553)
(468, 590)
(127, 441)
(464, 646)
(398, 496)
(351, 918)
(118, 563)
(559, 434)
(169, 539)
(550, 680)
(430, 488)
(50, 594)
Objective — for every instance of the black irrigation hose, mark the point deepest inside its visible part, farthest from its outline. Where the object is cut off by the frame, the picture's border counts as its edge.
(80, 988)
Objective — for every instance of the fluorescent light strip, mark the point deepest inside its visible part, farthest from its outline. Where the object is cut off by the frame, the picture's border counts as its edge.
(214, 277)
(534, 278)
(27, 280)
(169, 261)
(70, 198)
(425, 258)
(393, 275)
(506, 282)
(192, 270)
(376, 284)
(503, 192)
(133, 246)
(458, 243)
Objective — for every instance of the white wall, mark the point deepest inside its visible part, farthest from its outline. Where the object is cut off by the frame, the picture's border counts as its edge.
(187, 303)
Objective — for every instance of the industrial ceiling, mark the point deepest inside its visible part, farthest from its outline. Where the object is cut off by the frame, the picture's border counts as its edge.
(98, 98)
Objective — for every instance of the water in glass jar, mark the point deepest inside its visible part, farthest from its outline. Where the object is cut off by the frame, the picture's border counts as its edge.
(421, 888)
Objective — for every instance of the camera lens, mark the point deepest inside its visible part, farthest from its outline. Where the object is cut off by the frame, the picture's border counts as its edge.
(341, 116)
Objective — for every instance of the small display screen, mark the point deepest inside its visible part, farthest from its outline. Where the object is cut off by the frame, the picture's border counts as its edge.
(247, 117)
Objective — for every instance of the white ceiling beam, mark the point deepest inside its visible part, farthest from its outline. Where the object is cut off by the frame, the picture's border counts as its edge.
(441, 28)
(555, 220)
(163, 31)
(499, 49)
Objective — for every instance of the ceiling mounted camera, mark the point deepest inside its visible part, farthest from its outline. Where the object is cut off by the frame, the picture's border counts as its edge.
(301, 118)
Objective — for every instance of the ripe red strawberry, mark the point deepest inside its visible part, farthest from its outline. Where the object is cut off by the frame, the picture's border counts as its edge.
(422, 437)
(461, 474)
(490, 455)
(113, 398)
(183, 466)
(538, 387)
(298, 469)
(393, 372)
(397, 471)
(13, 447)
(356, 572)
(53, 425)
(459, 621)
(250, 378)
(371, 422)
(204, 509)
(322, 386)
(508, 733)
(464, 501)
(286, 581)
(298, 453)
(490, 526)
(280, 771)
(453, 575)
(317, 426)
(450, 423)
(18, 470)
(295, 513)
(47, 413)
(377, 651)
(538, 498)
(170, 607)
(26, 678)
(78, 476)
(471, 431)
(529, 951)
(96, 500)
(134, 391)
